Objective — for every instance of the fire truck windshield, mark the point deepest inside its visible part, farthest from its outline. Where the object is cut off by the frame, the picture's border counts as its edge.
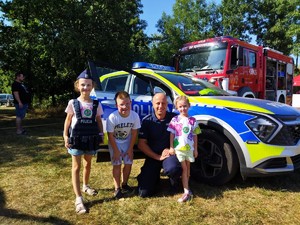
(203, 58)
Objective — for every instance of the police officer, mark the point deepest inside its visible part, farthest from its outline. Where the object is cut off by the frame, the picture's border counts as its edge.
(154, 141)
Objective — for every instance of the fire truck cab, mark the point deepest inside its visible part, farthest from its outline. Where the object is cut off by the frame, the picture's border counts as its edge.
(241, 68)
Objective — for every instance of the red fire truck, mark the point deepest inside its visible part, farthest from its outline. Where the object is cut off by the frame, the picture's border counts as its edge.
(240, 68)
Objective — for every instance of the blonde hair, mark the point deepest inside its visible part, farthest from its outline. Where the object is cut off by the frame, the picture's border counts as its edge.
(181, 98)
(76, 85)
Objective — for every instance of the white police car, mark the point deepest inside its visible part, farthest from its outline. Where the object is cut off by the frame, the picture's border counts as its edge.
(239, 135)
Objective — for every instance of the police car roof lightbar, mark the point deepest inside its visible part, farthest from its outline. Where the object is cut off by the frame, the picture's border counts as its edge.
(138, 65)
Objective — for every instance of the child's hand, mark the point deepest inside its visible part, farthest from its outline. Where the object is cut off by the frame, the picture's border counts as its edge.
(66, 140)
(101, 136)
(172, 151)
(195, 153)
(116, 156)
(130, 154)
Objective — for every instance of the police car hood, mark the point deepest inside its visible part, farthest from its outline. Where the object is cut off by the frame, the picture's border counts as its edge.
(247, 104)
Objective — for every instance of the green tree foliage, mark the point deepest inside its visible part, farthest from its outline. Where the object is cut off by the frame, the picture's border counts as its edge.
(235, 18)
(191, 20)
(51, 40)
(275, 23)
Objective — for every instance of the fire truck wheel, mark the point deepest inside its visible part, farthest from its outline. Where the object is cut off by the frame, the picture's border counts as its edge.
(246, 92)
(217, 162)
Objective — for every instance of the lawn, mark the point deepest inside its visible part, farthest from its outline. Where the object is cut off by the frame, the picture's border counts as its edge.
(35, 188)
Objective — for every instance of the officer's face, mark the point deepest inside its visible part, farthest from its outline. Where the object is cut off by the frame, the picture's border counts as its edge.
(160, 104)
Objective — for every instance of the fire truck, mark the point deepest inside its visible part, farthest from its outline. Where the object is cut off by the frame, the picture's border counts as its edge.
(241, 68)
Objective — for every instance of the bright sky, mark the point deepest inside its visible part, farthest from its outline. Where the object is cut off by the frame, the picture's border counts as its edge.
(153, 10)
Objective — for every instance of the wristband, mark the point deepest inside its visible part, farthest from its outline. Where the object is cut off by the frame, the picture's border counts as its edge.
(101, 134)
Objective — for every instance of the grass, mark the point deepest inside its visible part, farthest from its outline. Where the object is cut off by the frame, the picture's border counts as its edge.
(35, 188)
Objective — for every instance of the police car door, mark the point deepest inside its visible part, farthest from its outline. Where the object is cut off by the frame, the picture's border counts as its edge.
(140, 92)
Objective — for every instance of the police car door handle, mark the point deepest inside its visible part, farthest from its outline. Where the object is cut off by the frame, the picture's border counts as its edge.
(110, 103)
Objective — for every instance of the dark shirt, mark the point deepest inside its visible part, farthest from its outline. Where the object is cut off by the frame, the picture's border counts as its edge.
(23, 92)
(155, 132)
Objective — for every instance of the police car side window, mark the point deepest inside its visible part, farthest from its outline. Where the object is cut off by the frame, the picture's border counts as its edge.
(114, 84)
(141, 87)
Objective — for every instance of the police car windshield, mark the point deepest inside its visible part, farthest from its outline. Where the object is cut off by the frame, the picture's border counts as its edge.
(193, 86)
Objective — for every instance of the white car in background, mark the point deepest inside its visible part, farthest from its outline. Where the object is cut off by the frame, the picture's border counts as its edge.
(6, 99)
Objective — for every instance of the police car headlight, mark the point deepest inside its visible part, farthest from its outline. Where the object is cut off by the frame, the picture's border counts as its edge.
(263, 128)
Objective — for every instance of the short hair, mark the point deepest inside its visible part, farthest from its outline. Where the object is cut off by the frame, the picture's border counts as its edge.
(121, 95)
(17, 74)
(181, 98)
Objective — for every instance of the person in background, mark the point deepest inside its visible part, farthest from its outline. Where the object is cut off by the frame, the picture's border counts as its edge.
(122, 128)
(83, 132)
(154, 141)
(22, 100)
(183, 142)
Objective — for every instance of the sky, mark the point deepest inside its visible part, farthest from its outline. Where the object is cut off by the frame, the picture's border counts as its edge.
(152, 12)
(153, 9)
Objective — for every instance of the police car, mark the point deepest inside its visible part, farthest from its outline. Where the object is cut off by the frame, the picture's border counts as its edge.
(251, 137)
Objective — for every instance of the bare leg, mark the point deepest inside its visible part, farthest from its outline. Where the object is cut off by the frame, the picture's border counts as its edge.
(117, 176)
(126, 173)
(76, 163)
(87, 164)
(184, 176)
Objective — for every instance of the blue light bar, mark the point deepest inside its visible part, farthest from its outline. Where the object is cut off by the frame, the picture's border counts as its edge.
(138, 65)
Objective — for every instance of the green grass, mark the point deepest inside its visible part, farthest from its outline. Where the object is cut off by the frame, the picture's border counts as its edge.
(35, 188)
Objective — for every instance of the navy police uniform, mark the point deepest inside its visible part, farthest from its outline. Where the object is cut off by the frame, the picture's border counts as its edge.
(158, 138)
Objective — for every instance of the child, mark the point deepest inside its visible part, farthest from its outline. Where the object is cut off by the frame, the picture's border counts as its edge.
(183, 141)
(122, 128)
(83, 133)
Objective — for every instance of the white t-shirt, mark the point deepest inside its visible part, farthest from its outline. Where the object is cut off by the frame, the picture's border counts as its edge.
(86, 110)
(121, 126)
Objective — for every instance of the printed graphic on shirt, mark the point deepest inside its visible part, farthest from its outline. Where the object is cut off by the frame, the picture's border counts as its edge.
(121, 126)
(184, 128)
(121, 130)
(86, 110)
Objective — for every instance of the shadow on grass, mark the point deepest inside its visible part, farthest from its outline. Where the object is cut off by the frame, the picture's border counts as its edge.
(44, 137)
(279, 183)
(14, 214)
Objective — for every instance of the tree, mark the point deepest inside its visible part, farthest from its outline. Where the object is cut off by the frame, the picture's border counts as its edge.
(51, 40)
(191, 20)
(272, 22)
(235, 15)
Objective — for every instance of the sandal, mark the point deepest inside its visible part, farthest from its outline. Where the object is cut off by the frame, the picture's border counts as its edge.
(80, 208)
(89, 190)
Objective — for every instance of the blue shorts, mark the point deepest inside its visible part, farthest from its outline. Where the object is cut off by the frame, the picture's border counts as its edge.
(76, 152)
(123, 147)
(21, 112)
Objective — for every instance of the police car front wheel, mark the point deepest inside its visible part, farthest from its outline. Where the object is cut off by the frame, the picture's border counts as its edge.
(217, 162)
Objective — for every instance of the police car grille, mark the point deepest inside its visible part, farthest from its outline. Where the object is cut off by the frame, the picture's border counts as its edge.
(289, 135)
